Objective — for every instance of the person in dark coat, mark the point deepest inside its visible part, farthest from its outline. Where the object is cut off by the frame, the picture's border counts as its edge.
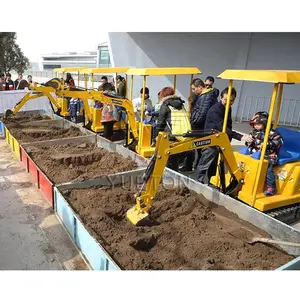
(203, 99)
(18, 81)
(164, 124)
(121, 86)
(209, 81)
(214, 120)
(69, 80)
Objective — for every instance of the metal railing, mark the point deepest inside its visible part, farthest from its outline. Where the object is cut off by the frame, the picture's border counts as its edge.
(289, 112)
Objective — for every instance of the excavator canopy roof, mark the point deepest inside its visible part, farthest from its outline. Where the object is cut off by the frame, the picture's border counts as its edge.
(273, 76)
(103, 70)
(63, 70)
(164, 71)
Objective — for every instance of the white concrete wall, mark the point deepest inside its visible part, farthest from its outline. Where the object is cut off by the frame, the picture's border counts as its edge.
(8, 99)
(212, 53)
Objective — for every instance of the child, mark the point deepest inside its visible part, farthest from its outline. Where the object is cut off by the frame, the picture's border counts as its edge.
(259, 123)
(98, 104)
(152, 116)
(74, 109)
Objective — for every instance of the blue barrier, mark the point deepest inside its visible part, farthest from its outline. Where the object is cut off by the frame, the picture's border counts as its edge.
(2, 131)
(95, 254)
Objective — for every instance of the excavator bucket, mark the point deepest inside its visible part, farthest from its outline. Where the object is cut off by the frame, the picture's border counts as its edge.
(8, 113)
(137, 216)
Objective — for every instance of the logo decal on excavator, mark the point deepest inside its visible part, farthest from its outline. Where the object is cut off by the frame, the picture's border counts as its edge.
(116, 102)
(202, 143)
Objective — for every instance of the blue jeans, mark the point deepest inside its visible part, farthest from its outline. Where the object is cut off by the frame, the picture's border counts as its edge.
(271, 176)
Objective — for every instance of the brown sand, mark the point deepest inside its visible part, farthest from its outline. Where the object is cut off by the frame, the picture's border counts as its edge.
(22, 118)
(193, 233)
(64, 163)
(41, 133)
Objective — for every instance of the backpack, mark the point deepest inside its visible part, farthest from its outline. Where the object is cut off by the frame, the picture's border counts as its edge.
(180, 122)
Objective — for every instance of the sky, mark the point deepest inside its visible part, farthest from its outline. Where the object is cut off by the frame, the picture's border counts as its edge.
(46, 43)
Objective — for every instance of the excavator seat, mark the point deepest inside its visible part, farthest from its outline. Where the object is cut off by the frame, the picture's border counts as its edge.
(80, 89)
(199, 133)
(115, 96)
(54, 83)
(290, 150)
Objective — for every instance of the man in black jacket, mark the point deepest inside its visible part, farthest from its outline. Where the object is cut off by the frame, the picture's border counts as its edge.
(203, 99)
(214, 120)
(209, 81)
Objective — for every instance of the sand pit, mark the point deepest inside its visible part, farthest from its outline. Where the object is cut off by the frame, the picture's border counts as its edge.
(193, 233)
(23, 117)
(64, 163)
(27, 133)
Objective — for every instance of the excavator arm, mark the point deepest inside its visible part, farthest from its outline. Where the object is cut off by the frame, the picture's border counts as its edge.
(163, 150)
(36, 91)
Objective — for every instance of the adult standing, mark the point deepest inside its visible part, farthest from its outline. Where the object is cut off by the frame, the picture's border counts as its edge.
(207, 166)
(121, 86)
(8, 84)
(69, 80)
(203, 99)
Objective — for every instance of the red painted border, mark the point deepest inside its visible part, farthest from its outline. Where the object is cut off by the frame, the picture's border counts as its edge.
(33, 170)
(46, 187)
(24, 159)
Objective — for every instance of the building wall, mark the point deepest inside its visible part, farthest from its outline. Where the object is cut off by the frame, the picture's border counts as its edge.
(212, 53)
(8, 99)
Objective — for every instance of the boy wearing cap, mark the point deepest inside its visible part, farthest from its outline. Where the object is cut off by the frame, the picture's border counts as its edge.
(259, 123)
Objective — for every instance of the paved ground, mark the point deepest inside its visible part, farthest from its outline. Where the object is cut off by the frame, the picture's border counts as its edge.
(31, 237)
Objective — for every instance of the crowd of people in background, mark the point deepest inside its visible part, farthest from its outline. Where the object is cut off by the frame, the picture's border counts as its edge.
(7, 84)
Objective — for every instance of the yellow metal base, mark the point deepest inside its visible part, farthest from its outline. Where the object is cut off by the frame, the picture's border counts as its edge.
(145, 151)
(64, 114)
(144, 145)
(265, 203)
(287, 183)
(117, 126)
(97, 126)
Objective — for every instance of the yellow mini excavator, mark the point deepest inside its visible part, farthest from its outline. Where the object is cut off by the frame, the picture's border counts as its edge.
(245, 178)
(92, 116)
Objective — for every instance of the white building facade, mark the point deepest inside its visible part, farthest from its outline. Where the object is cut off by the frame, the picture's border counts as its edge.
(212, 53)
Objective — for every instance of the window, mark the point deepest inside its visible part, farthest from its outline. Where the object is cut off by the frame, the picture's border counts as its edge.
(50, 67)
(104, 57)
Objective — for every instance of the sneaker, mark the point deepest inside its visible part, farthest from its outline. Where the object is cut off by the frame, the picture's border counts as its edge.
(185, 169)
(270, 191)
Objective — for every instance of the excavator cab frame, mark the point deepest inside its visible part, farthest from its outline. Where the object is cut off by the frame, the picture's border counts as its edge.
(62, 101)
(255, 166)
(144, 141)
(247, 171)
(71, 70)
(96, 124)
